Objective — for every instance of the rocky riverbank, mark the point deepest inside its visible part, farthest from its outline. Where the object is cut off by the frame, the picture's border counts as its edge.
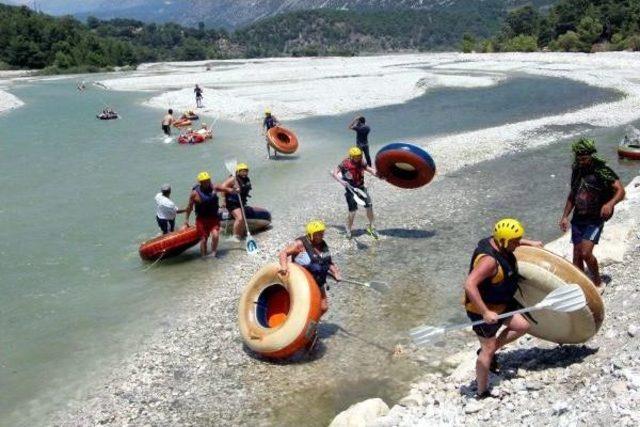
(542, 383)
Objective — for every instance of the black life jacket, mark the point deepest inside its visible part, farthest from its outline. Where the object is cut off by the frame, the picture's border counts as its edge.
(208, 206)
(501, 292)
(320, 262)
(245, 188)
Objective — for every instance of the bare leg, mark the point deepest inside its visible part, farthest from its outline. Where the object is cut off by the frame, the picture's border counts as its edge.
(238, 224)
(577, 256)
(370, 216)
(586, 251)
(350, 219)
(203, 247)
(488, 347)
(517, 326)
(215, 237)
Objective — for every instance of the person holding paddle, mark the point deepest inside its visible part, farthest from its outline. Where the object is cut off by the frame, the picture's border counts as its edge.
(489, 290)
(204, 199)
(350, 173)
(312, 252)
(242, 184)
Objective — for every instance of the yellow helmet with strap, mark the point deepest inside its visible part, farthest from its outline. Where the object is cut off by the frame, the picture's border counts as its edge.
(507, 229)
(203, 176)
(242, 167)
(355, 152)
(314, 227)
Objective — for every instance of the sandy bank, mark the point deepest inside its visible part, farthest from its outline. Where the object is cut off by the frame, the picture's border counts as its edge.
(541, 383)
(9, 101)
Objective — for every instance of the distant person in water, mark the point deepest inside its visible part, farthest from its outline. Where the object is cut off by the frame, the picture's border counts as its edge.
(167, 121)
(359, 126)
(269, 122)
(81, 86)
(595, 191)
(198, 91)
(166, 210)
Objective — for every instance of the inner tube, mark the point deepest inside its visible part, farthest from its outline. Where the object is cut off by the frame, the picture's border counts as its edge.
(405, 165)
(631, 151)
(258, 219)
(282, 140)
(107, 116)
(542, 272)
(278, 316)
(195, 137)
(182, 123)
(169, 245)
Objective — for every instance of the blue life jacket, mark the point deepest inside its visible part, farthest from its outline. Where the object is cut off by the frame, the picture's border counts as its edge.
(208, 206)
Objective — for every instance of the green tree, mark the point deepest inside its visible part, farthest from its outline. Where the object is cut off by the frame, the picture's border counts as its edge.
(468, 44)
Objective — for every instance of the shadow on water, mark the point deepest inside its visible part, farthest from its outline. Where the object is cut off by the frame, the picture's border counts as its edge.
(284, 158)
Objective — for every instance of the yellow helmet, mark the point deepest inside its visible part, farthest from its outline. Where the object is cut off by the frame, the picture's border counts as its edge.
(355, 152)
(506, 230)
(314, 227)
(267, 111)
(203, 176)
(242, 167)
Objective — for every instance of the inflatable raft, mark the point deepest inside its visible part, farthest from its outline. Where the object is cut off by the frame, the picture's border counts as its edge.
(181, 123)
(282, 140)
(278, 316)
(631, 151)
(194, 138)
(169, 245)
(542, 272)
(103, 116)
(258, 219)
(405, 165)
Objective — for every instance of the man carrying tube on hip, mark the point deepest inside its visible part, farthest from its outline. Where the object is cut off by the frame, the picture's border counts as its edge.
(489, 291)
(312, 253)
(270, 121)
(595, 191)
(204, 199)
(351, 173)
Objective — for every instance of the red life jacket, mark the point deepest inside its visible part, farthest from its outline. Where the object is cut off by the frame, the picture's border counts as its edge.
(352, 172)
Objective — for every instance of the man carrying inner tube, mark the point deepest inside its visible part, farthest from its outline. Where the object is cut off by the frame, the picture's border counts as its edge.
(205, 200)
(595, 190)
(242, 185)
(359, 126)
(489, 291)
(269, 122)
(351, 173)
(312, 252)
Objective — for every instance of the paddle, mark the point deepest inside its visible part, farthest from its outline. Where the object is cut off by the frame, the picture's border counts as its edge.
(564, 299)
(252, 246)
(358, 194)
(381, 287)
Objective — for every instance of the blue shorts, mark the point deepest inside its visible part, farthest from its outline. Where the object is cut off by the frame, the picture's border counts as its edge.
(586, 231)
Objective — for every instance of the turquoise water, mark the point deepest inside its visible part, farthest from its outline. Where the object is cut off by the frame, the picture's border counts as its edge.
(78, 199)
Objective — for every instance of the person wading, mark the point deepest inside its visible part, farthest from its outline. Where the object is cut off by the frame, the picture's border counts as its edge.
(232, 200)
(198, 91)
(362, 136)
(204, 198)
(166, 210)
(269, 122)
(489, 291)
(351, 171)
(595, 191)
(312, 252)
(167, 121)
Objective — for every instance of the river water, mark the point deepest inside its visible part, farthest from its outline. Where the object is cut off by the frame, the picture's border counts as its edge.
(78, 199)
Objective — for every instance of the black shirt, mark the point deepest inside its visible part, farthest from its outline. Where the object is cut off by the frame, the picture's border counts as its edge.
(590, 192)
(362, 133)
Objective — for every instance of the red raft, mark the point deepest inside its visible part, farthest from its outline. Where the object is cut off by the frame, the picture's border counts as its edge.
(169, 245)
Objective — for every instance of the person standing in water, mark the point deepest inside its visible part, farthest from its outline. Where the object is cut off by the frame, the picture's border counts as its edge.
(489, 291)
(167, 121)
(312, 253)
(351, 173)
(166, 210)
(269, 122)
(595, 191)
(359, 126)
(204, 198)
(198, 91)
(242, 185)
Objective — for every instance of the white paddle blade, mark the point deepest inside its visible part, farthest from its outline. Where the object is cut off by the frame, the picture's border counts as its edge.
(252, 246)
(230, 163)
(378, 286)
(565, 299)
(425, 334)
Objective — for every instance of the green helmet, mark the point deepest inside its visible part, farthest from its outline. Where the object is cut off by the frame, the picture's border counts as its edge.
(584, 146)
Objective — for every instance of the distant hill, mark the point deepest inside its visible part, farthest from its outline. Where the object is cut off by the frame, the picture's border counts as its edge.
(231, 14)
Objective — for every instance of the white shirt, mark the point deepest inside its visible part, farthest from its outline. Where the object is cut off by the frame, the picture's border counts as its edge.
(165, 208)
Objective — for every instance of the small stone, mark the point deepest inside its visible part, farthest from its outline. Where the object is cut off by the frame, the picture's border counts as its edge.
(472, 407)
(411, 401)
(534, 385)
(633, 330)
(619, 388)
(560, 407)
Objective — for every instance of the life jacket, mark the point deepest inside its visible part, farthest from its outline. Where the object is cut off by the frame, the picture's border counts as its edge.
(352, 172)
(496, 292)
(245, 188)
(320, 262)
(208, 206)
(269, 122)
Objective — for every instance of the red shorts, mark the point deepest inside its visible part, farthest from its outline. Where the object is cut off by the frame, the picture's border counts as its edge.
(205, 226)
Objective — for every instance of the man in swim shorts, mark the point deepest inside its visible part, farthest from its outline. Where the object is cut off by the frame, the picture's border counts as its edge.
(167, 121)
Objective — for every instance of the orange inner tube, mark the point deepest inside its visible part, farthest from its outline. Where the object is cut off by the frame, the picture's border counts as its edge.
(282, 140)
(404, 169)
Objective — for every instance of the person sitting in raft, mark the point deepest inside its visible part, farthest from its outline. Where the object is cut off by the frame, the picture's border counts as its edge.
(205, 131)
(166, 210)
(351, 171)
(167, 121)
(312, 252)
(242, 186)
(204, 199)
(595, 191)
(359, 126)
(269, 122)
(489, 291)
